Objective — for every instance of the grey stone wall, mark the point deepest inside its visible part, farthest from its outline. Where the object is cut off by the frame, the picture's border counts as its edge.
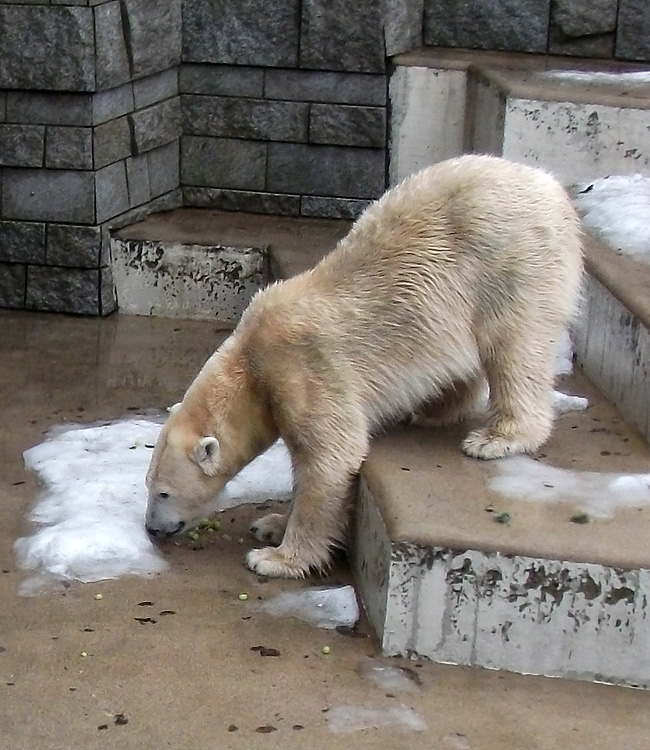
(112, 109)
(89, 140)
(585, 28)
(284, 105)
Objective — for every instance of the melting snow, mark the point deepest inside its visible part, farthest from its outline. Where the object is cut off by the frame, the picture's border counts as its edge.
(616, 209)
(322, 607)
(389, 677)
(596, 493)
(90, 518)
(634, 78)
(356, 718)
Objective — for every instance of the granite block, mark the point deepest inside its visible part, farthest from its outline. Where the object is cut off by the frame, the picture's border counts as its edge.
(22, 145)
(57, 48)
(155, 88)
(112, 141)
(107, 292)
(48, 195)
(68, 290)
(326, 170)
(75, 246)
(402, 25)
(345, 125)
(256, 119)
(68, 148)
(517, 25)
(221, 80)
(22, 242)
(156, 125)
(242, 200)
(339, 35)
(153, 34)
(322, 86)
(576, 18)
(108, 105)
(252, 33)
(34, 107)
(113, 67)
(332, 208)
(13, 283)
(633, 32)
(111, 191)
(164, 168)
(223, 162)
(137, 178)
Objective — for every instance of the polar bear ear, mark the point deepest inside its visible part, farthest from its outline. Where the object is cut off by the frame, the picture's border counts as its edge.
(173, 409)
(206, 455)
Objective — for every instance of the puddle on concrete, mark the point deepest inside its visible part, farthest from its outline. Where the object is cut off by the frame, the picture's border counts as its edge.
(355, 718)
(388, 677)
(326, 607)
(90, 517)
(595, 493)
(617, 210)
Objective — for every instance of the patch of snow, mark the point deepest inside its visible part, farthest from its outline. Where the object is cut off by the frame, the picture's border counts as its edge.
(90, 518)
(631, 78)
(268, 477)
(355, 718)
(599, 494)
(322, 606)
(564, 403)
(616, 209)
(388, 676)
(563, 354)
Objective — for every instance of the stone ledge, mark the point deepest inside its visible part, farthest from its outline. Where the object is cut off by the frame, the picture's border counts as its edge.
(440, 579)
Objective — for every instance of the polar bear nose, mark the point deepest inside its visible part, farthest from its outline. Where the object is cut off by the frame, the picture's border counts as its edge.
(154, 532)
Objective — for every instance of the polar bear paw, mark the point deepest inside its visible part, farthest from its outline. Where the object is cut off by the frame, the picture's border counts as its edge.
(485, 444)
(272, 562)
(269, 528)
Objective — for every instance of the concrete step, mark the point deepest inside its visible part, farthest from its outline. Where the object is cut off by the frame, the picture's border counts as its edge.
(541, 594)
(581, 119)
(206, 265)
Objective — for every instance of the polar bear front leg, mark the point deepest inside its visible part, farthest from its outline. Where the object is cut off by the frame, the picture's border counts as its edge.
(318, 519)
(521, 412)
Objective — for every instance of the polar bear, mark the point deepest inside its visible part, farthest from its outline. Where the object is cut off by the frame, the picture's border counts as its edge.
(467, 271)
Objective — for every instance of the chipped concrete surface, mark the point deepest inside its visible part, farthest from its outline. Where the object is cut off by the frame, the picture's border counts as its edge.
(188, 678)
(189, 281)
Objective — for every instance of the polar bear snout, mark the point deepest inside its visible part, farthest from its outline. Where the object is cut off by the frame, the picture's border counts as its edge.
(154, 531)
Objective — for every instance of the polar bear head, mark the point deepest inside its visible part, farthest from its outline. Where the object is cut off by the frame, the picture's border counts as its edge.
(188, 470)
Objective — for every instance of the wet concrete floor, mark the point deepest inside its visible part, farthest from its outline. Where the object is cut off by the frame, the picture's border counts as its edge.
(191, 680)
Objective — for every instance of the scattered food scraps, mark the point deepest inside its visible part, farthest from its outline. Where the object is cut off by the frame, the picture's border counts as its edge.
(503, 517)
(243, 597)
(580, 518)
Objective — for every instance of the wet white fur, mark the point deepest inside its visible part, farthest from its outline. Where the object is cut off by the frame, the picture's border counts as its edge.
(468, 269)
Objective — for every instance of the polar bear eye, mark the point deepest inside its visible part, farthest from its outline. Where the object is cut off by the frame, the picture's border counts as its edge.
(163, 495)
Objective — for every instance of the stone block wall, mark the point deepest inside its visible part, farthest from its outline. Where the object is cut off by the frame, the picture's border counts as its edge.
(284, 106)
(112, 109)
(89, 140)
(585, 28)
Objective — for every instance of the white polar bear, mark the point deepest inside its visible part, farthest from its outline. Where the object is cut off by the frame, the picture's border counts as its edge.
(468, 270)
